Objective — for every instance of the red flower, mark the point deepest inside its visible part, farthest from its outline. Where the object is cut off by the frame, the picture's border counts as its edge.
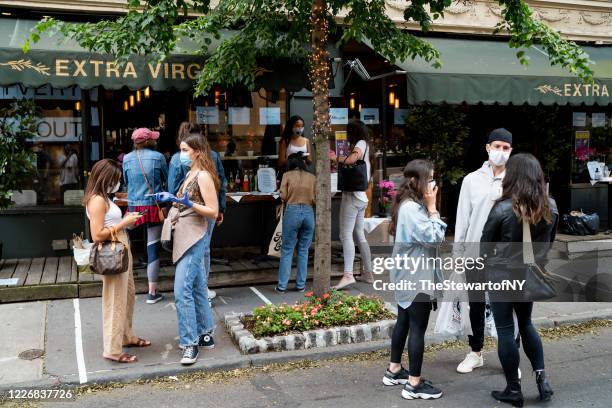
(309, 294)
(326, 296)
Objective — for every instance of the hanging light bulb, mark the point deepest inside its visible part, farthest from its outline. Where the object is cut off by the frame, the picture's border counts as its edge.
(126, 106)
(77, 106)
(138, 96)
(359, 107)
(392, 97)
(352, 102)
(147, 92)
(131, 101)
(397, 103)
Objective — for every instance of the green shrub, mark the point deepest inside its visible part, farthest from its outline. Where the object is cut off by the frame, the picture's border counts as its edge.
(332, 309)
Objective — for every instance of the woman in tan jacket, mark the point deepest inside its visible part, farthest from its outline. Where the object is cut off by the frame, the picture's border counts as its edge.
(118, 293)
(298, 194)
(193, 207)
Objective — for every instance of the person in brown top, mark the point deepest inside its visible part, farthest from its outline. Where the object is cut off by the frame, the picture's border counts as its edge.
(298, 194)
(194, 205)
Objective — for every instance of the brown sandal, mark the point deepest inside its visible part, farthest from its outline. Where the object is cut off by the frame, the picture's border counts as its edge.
(139, 343)
(124, 358)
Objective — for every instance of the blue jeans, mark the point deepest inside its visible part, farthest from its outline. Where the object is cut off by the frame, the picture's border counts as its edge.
(298, 225)
(208, 236)
(190, 296)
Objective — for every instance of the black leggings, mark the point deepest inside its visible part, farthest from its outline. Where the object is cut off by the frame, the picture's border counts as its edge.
(507, 348)
(412, 320)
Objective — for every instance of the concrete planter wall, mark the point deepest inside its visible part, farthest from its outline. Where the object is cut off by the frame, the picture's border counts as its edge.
(248, 344)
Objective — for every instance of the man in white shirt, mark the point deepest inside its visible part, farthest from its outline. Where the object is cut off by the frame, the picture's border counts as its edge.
(479, 191)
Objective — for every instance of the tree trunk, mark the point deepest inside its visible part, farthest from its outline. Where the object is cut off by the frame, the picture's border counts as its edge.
(321, 128)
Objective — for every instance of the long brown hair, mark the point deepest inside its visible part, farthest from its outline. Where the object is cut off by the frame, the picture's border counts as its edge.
(417, 174)
(524, 183)
(185, 128)
(197, 142)
(104, 175)
(356, 131)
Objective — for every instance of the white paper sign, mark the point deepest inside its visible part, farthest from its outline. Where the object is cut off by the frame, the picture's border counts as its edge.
(579, 119)
(72, 93)
(598, 120)
(95, 117)
(369, 116)
(334, 182)
(239, 116)
(269, 116)
(95, 151)
(207, 115)
(399, 116)
(59, 129)
(339, 116)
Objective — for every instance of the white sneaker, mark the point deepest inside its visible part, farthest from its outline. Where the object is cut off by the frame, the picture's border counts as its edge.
(471, 361)
(211, 294)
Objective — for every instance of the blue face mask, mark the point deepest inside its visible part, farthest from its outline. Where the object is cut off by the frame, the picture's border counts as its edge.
(185, 159)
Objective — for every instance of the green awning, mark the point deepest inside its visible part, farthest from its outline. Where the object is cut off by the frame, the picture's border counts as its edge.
(63, 64)
(488, 72)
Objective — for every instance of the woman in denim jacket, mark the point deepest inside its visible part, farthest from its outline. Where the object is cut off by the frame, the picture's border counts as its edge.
(418, 232)
(145, 172)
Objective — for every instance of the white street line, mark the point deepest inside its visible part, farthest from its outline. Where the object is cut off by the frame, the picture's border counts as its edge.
(262, 297)
(78, 340)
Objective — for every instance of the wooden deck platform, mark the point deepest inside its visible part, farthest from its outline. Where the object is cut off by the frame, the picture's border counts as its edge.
(59, 278)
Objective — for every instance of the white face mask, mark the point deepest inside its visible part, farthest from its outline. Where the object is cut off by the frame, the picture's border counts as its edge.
(298, 131)
(432, 185)
(498, 157)
(114, 190)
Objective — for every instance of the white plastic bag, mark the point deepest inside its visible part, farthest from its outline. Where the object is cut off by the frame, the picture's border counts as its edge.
(81, 255)
(274, 249)
(453, 318)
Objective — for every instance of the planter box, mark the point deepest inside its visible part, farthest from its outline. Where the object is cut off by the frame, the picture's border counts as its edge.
(248, 344)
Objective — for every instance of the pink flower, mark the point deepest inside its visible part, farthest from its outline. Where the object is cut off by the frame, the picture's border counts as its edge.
(287, 322)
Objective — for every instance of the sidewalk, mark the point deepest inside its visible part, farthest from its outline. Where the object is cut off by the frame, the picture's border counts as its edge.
(70, 333)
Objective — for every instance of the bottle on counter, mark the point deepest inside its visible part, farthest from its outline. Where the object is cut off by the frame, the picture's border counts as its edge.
(245, 182)
(251, 181)
(255, 185)
(238, 182)
(231, 181)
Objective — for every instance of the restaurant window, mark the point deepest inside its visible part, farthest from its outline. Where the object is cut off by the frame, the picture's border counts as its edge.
(243, 126)
(58, 148)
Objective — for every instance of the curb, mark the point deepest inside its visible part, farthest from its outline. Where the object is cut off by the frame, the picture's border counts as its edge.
(319, 338)
(262, 359)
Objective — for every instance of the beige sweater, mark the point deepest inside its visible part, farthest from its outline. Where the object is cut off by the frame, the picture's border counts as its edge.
(298, 187)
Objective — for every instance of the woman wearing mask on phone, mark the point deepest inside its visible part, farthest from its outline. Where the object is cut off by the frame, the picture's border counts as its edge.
(418, 232)
(195, 205)
(118, 294)
(293, 141)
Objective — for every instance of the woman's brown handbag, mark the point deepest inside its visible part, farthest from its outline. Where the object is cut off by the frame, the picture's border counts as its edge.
(109, 257)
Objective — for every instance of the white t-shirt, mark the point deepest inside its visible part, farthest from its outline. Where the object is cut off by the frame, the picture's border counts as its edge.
(112, 217)
(363, 146)
(69, 171)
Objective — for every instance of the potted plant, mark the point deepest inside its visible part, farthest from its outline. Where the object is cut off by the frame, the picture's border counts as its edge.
(18, 125)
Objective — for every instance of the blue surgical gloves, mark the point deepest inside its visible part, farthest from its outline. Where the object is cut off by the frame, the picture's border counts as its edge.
(166, 197)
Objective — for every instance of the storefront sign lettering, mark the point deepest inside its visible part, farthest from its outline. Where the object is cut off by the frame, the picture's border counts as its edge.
(59, 129)
(575, 90)
(112, 69)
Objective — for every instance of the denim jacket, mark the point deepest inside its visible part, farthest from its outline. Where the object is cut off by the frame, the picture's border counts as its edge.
(177, 172)
(417, 236)
(154, 164)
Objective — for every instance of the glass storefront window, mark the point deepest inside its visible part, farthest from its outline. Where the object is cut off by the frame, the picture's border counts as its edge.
(58, 147)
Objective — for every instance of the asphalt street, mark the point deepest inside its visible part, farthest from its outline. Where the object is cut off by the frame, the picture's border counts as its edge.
(580, 367)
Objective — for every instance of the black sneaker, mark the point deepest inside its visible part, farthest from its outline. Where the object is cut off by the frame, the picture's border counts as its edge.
(401, 377)
(151, 299)
(190, 355)
(301, 290)
(425, 390)
(279, 290)
(206, 341)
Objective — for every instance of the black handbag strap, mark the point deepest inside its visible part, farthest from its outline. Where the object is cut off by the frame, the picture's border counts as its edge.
(364, 154)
